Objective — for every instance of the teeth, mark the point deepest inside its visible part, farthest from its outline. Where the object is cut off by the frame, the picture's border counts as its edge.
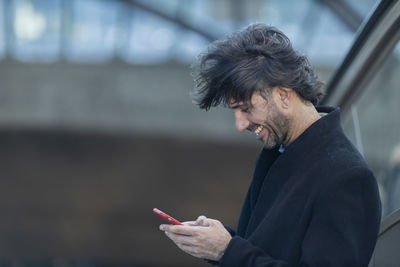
(258, 130)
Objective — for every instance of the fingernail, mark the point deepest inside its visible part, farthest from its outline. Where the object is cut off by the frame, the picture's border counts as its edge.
(162, 227)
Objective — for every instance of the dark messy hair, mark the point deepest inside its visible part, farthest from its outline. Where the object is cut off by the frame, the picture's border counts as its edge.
(255, 59)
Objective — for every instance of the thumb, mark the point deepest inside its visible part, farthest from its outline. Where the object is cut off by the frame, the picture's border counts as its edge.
(202, 221)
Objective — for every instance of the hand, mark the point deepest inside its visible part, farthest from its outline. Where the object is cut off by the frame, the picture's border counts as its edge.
(205, 238)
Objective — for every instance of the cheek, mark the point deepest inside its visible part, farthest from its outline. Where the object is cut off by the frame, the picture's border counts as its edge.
(261, 120)
(259, 117)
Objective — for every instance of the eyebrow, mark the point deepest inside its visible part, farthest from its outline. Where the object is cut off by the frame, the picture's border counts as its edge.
(239, 105)
(235, 106)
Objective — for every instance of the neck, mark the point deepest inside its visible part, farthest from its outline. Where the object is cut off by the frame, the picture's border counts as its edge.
(303, 118)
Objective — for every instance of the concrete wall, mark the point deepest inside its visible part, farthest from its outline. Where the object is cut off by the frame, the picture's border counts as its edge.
(109, 98)
(114, 97)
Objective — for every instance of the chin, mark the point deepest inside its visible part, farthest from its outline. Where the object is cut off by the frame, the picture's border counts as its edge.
(269, 147)
(270, 143)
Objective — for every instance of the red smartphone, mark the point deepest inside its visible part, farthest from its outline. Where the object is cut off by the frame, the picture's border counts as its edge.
(166, 217)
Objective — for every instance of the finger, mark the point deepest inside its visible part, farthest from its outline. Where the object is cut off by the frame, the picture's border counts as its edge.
(212, 222)
(192, 223)
(169, 228)
(164, 227)
(181, 239)
(180, 229)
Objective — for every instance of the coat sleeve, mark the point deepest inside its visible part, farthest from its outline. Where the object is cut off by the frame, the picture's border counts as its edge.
(230, 231)
(342, 230)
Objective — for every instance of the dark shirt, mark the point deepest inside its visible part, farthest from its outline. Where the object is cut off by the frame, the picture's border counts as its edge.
(315, 204)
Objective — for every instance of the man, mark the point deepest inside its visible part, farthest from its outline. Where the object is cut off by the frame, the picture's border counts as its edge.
(312, 201)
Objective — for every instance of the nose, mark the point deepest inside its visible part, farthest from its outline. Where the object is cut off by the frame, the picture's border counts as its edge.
(241, 121)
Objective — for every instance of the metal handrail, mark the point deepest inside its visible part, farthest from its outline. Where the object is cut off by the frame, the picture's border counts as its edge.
(375, 40)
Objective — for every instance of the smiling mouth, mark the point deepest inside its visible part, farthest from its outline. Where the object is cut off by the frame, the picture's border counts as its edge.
(258, 130)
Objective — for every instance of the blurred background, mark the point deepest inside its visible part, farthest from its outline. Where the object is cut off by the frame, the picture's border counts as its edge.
(97, 125)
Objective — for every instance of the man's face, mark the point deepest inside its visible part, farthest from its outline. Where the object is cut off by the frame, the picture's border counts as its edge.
(263, 118)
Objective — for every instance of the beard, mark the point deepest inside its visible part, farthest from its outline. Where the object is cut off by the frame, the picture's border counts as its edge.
(277, 125)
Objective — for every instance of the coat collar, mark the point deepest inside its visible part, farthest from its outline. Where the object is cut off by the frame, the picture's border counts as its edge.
(326, 126)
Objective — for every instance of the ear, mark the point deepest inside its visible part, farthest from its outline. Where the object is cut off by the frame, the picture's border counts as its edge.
(283, 97)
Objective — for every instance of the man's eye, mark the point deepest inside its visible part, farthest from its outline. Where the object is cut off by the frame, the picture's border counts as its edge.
(245, 110)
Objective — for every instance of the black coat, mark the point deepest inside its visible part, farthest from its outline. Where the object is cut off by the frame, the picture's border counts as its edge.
(316, 204)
